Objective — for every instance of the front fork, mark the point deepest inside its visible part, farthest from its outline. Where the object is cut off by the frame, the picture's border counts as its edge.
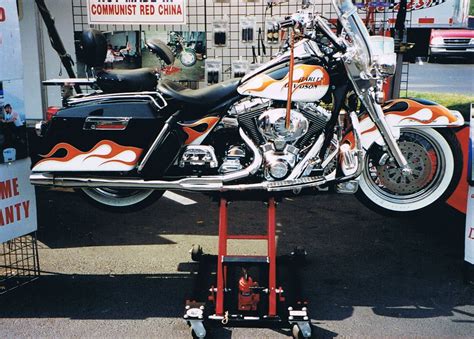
(376, 113)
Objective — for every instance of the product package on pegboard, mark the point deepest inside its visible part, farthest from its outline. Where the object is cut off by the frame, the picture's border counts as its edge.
(220, 32)
(213, 70)
(240, 68)
(19, 262)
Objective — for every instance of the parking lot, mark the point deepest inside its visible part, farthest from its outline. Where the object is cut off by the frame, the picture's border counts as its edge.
(448, 76)
(123, 275)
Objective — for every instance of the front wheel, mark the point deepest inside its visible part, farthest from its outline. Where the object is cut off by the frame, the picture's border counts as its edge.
(119, 199)
(188, 57)
(435, 158)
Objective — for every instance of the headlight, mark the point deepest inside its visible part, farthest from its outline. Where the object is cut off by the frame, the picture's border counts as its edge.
(437, 41)
(383, 53)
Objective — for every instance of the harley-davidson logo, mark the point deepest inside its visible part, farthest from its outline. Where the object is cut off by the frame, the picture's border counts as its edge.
(309, 82)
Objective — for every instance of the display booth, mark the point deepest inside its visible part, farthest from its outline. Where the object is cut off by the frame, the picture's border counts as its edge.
(202, 53)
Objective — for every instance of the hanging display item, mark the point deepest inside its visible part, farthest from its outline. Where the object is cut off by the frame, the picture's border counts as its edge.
(247, 29)
(272, 31)
(213, 70)
(220, 30)
(240, 68)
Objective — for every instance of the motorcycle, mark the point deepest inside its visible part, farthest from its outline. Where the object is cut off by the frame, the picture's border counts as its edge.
(180, 49)
(309, 120)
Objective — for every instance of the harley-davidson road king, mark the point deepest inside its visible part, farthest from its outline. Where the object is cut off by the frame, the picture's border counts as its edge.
(310, 119)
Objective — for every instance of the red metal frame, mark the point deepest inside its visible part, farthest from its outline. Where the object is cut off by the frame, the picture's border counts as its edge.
(271, 253)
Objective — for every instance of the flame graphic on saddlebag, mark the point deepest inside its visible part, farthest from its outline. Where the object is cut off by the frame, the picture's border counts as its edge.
(105, 156)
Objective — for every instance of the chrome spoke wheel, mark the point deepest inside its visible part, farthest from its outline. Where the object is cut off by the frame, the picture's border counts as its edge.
(426, 163)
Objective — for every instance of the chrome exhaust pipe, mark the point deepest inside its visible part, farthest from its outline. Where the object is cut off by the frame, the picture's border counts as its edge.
(187, 184)
(193, 184)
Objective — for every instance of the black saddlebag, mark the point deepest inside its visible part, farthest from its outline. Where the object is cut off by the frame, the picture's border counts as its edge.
(105, 136)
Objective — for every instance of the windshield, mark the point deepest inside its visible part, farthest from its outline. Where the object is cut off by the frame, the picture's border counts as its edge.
(356, 31)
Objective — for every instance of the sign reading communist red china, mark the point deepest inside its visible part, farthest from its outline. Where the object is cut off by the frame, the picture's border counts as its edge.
(139, 12)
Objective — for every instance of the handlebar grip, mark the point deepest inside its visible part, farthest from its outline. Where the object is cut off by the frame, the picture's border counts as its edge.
(287, 23)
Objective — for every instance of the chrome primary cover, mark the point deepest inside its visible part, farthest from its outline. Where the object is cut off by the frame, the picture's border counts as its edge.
(272, 125)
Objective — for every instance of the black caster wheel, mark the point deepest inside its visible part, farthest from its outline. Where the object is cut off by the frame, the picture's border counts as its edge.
(196, 252)
(298, 334)
(204, 333)
(295, 332)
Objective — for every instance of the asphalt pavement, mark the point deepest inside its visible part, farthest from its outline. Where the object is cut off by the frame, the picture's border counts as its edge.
(449, 76)
(128, 275)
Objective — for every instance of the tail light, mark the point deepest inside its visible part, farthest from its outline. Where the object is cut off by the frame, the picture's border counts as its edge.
(51, 111)
(40, 127)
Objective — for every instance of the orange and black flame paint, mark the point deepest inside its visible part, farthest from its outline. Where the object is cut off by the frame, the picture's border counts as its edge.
(198, 128)
(72, 152)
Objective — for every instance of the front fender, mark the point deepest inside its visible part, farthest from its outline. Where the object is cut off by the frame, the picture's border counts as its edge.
(418, 113)
(421, 113)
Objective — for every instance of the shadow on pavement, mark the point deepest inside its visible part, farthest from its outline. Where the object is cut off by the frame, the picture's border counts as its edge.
(401, 268)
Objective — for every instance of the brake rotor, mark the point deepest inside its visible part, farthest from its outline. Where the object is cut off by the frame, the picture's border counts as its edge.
(421, 164)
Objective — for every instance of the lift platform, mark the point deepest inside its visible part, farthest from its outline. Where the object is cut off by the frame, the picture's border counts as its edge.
(245, 290)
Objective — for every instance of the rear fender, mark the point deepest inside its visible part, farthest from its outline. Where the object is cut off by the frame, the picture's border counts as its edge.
(417, 113)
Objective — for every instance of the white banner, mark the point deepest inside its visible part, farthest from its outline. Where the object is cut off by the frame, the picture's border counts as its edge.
(17, 200)
(10, 47)
(469, 242)
(140, 12)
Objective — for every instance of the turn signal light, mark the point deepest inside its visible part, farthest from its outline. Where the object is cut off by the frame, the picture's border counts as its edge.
(51, 111)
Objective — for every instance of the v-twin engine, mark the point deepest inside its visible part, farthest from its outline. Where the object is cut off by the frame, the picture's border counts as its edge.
(280, 146)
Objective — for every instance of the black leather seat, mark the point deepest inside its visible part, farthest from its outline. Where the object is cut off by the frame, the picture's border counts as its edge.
(203, 98)
(136, 80)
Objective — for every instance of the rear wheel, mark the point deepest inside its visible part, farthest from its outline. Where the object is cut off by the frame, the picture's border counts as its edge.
(435, 158)
(120, 199)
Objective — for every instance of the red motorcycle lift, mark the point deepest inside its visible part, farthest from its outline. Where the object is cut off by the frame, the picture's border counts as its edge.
(245, 290)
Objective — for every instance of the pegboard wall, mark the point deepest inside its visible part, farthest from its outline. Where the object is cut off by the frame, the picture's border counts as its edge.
(202, 13)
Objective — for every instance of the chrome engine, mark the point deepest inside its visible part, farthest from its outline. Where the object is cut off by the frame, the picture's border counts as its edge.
(280, 147)
(198, 155)
(232, 160)
(271, 125)
(278, 164)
